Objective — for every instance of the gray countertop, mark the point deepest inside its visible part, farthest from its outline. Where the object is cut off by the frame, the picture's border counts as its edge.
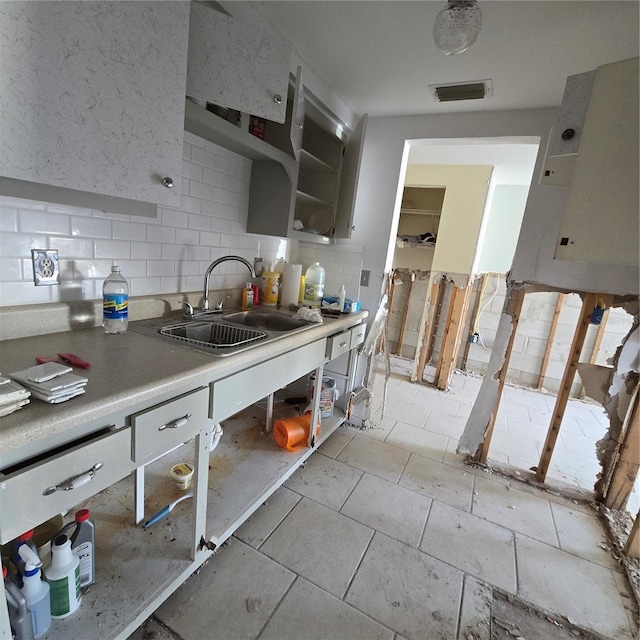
(127, 371)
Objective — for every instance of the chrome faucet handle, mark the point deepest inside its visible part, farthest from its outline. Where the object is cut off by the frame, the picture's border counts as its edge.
(220, 303)
(188, 311)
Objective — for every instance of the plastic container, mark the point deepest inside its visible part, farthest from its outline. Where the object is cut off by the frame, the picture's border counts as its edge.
(36, 593)
(19, 615)
(328, 394)
(270, 288)
(182, 474)
(256, 295)
(247, 297)
(292, 434)
(83, 544)
(115, 302)
(313, 285)
(63, 576)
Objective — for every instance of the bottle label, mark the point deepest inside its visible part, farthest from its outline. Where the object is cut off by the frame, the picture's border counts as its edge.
(115, 306)
(313, 291)
(59, 595)
(84, 553)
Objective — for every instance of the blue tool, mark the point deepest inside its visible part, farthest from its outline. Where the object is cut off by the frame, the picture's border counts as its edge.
(166, 510)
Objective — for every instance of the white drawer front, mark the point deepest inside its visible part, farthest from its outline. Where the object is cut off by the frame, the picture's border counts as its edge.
(243, 389)
(159, 429)
(23, 503)
(357, 335)
(337, 345)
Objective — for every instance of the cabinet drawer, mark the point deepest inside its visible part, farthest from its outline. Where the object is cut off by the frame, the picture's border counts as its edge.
(337, 345)
(241, 390)
(160, 428)
(70, 477)
(357, 335)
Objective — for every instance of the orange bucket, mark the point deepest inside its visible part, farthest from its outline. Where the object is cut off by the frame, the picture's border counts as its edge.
(292, 434)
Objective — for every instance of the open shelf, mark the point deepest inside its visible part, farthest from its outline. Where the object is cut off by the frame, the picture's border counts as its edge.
(309, 162)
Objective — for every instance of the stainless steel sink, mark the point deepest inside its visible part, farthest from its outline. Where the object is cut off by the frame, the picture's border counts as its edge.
(225, 334)
(266, 320)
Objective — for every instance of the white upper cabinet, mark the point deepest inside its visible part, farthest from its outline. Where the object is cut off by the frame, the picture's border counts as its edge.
(238, 61)
(92, 96)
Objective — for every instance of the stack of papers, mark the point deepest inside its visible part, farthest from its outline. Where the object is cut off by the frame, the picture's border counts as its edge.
(51, 382)
(12, 396)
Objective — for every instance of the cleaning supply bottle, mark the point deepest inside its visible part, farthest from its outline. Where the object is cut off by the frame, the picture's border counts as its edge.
(36, 592)
(63, 576)
(313, 285)
(247, 297)
(342, 296)
(19, 616)
(25, 539)
(115, 302)
(83, 544)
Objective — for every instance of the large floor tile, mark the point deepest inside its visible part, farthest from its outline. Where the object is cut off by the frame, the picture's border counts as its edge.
(378, 458)
(261, 524)
(386, 507)
(435, 400)
(420, 441)
(153, 630)
(476, 546)
(379, 426)
(321, 545)
(580, 590)
(406, 412)
(514, 509)
(414, 594)
(582, 534)
(337, 441)
(475, 615)
(325, 480)
(442, 482)
(232, 596)
(309, 613)
(450, 426)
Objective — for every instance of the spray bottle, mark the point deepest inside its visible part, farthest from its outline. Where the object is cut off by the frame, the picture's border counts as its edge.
(83, 545)
(19, 617)
(36, 592)
(63, 576)
(26, 539)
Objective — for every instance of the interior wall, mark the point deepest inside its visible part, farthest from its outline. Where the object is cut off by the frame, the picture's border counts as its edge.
(463, 207)
(502, 228)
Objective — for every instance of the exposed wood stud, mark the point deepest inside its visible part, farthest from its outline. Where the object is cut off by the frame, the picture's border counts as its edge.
(627, 460)
(552, 333)
(433, 332)
(632, 548)
(514, 309)
(452, 337)
(474, 312)
(588, 304)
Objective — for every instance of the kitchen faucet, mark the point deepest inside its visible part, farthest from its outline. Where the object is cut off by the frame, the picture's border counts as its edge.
(207, 274)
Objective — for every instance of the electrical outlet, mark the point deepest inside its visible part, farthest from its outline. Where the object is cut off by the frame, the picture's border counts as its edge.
(364, 278)
(46, 268)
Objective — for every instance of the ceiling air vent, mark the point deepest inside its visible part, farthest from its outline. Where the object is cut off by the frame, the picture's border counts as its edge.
(475, 90)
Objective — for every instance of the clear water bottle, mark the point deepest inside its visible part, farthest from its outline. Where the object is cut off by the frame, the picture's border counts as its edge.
(115, 302)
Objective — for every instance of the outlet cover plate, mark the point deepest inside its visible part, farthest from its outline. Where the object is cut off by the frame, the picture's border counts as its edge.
(46, 267)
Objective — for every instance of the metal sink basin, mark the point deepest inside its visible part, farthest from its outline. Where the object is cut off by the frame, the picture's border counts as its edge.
(212, 335)
(266, 320)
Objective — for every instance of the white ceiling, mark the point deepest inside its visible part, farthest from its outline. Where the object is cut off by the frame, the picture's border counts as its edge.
(379, 56)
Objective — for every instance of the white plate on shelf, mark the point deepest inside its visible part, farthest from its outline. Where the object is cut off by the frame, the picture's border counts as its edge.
(320, 221)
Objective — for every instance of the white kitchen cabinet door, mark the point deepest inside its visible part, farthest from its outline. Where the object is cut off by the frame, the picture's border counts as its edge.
(237, 61)
(92, 96)
(349, 181)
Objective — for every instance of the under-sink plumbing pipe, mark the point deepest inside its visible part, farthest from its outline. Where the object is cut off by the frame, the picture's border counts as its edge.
(216, 434)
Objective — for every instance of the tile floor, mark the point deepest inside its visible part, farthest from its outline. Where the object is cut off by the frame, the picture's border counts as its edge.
(387, 534)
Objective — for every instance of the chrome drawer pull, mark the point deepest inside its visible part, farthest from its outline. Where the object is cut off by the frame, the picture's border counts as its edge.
(174, 424)
(342, 344)
(76, 482)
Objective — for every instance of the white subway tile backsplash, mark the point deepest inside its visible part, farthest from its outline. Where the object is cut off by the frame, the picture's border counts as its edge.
(112, 249)
(165, 254)
(90, 227)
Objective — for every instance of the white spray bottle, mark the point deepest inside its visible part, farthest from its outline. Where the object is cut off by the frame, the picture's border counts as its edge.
(35, 591)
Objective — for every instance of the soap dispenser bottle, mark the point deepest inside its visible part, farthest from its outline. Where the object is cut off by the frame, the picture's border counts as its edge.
(247, 297)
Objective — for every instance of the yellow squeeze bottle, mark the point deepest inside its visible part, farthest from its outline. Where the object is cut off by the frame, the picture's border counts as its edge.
(247, 297)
